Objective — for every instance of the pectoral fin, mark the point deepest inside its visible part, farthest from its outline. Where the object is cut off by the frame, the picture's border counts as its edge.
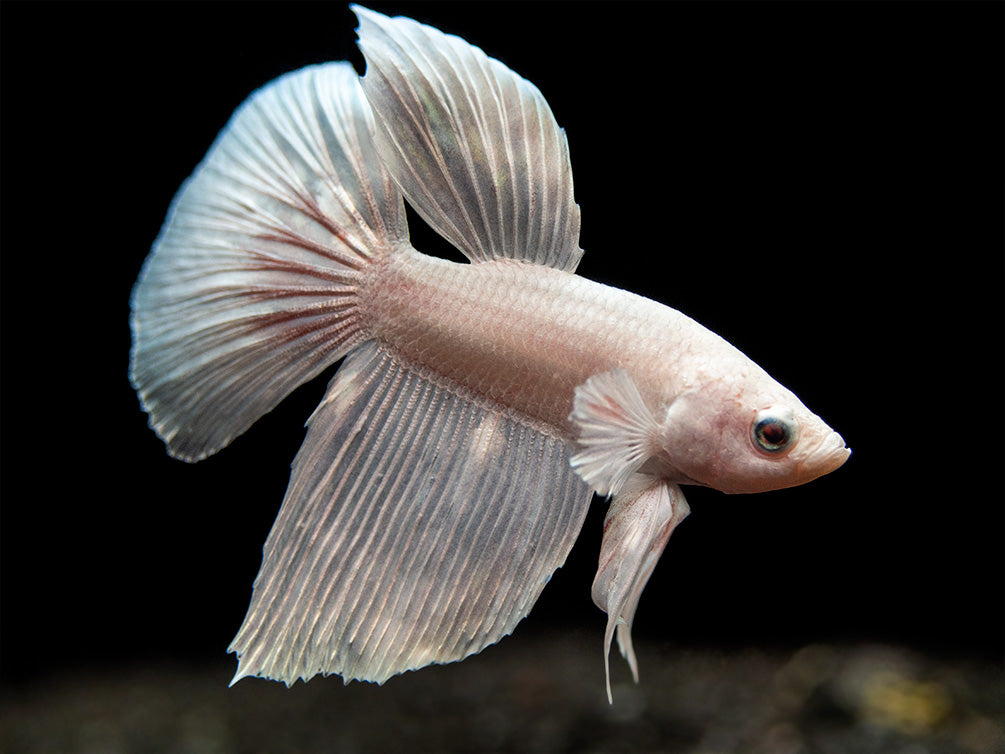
(639, 522)
(616, 430)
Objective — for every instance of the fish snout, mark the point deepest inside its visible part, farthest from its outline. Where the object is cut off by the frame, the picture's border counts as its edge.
(828, 455)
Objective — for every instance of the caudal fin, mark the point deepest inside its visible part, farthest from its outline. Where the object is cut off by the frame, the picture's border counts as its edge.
(252, 287)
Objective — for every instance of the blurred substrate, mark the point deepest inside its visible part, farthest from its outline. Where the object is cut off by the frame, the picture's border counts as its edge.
(533, 694)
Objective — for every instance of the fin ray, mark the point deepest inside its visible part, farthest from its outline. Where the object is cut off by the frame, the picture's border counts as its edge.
(638, 525)
(616, 430)
(419, 527)
(473, 146)
(251, 286)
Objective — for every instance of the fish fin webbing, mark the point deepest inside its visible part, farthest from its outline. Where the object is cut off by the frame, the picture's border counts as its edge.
(419, 527)
(473, 146)
(252, 286)
(639, 521)
(616, 431)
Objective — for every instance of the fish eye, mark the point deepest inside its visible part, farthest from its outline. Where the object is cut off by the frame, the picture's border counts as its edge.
(774, 430)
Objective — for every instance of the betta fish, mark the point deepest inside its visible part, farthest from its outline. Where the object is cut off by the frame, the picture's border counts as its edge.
(478, 407)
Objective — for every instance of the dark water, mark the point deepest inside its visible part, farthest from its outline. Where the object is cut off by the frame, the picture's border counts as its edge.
(544, 695)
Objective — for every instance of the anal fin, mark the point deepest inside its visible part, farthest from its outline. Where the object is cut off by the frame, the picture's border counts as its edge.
(418, 527)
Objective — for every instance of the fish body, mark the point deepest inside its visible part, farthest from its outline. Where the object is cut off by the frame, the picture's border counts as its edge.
(490, 326)
(447, 471)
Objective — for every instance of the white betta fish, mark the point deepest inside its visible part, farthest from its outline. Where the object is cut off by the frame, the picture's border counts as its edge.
(448, 470)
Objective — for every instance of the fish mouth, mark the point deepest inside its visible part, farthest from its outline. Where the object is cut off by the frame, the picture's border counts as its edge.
(828, 455)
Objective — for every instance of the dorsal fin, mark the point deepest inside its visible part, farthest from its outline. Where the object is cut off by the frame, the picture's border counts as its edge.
(473, 146)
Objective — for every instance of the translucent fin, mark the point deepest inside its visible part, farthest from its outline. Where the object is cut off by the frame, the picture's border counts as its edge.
(419, 527)
(638, 524)
(250, 289)
(615, 430)
(474, 147)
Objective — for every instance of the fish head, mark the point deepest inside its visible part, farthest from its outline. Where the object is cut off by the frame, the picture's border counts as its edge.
(748, 434)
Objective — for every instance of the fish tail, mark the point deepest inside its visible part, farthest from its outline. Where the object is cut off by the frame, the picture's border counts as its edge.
(253, 285)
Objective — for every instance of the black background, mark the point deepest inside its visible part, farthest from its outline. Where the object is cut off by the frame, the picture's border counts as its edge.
(819, 183)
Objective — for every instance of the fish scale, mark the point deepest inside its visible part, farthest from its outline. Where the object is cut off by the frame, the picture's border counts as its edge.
(487, 326)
